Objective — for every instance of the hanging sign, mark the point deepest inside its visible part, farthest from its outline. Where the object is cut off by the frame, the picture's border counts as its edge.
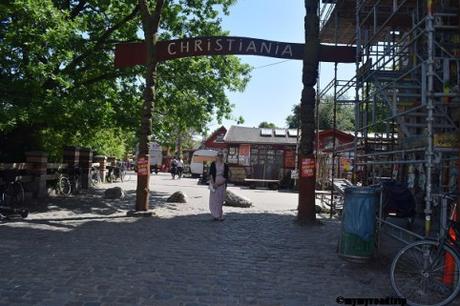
(135, 53)
(308, 167)
(289, 159)
(143, 166)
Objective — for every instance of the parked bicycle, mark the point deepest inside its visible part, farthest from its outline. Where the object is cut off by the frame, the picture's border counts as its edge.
(12, 198)
(117, 172)
(95, 176)
(427, 272)
(63, 185)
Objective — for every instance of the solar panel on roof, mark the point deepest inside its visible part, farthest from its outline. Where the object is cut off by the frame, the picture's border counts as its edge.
(280, 132)
(292, 133)
(266, 132)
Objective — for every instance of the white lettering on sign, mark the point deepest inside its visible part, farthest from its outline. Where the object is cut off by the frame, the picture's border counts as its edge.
(287, 50)
(219, 45)
(170, 50)
(230, 45)
(230, 42)
(264, 48)
(184, 46)
(251, 47)
(198, 45)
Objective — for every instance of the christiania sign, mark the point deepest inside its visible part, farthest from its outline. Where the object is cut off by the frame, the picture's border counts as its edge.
(135, 53)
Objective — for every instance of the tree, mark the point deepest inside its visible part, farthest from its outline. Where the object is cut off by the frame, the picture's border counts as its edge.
(57, 83)
(59, 86)
(267, 125)
(293, 120)
(150, 25)
(345, 120)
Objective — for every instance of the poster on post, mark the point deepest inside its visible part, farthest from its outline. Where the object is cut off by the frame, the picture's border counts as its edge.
(308, 167)
(143, 167)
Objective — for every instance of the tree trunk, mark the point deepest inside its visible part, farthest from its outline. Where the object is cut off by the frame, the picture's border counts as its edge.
(307, 171)
(150, 23)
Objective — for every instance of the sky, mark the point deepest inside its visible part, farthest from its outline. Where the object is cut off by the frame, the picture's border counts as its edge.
(272, 90)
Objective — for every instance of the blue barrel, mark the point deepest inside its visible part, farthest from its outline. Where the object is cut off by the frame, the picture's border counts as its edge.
(357, 239)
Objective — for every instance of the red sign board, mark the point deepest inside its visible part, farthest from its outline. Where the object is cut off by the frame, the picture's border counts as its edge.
(135, 53)
(308, 167)
(143, 167)
(289, 159)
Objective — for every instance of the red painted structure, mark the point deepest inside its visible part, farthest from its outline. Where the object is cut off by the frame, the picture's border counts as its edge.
(326, 138)
(216, 140)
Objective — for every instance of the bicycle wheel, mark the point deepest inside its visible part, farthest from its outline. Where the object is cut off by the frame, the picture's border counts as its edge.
(63, 186)
(124, 175)
(424, 274)
(14, 194)
(95, 178)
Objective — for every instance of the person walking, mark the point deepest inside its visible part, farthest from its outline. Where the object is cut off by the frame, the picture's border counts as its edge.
(180, 167)
(173, 168)
(217, 185)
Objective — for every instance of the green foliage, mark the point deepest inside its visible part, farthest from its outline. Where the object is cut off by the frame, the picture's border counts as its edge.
(58, 83)
(293, 120)
(267, 125)
(345, 119)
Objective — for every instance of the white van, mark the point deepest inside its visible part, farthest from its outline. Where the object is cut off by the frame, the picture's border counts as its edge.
(156, 155)
(198, 157)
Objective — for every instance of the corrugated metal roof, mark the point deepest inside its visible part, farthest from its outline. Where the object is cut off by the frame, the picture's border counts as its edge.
(240, 134)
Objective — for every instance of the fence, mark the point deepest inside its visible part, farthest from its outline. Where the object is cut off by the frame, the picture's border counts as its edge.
(36, 173)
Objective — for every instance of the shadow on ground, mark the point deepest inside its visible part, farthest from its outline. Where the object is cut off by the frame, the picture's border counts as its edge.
(93, 202)
(250, 258)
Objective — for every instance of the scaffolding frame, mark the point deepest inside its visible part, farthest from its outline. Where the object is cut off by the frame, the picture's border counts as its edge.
(406, 87)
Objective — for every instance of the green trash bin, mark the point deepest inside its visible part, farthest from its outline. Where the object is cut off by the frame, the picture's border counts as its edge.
(357, 239)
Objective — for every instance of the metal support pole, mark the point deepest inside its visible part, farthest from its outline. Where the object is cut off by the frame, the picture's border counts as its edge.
(357, 86)
(429, 119)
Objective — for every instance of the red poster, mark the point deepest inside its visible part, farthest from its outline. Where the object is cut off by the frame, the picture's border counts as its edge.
(289, 159)
(245, 149)
(143, 167)
(308, 167)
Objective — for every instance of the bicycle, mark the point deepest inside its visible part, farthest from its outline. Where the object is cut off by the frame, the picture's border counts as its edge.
(63, 185)
(117, 172)
(95, 176)
(12, 198)
(427, 272)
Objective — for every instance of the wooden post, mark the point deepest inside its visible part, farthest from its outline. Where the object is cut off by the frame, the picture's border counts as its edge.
(71, 157)
(150, 25)
(38, 162)
(86, 158)
(306, 160)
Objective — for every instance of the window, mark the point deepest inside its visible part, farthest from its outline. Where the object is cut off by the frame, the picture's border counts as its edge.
(266, 132)
(292, 133)
(280, 132)
(220, 138)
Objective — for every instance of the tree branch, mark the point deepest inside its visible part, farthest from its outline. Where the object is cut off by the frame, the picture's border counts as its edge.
(102, 39)
(157, 15)
(145, 11)
(104, 76)
(77, 9)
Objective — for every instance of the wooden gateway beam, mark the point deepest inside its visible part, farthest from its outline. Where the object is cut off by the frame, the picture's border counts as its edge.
(135, 53)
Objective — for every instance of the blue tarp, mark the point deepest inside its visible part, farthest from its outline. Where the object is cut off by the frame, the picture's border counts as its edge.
(359, 211)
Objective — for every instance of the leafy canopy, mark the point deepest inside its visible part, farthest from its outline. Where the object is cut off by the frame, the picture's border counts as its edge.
(344, 121)
(59, 86)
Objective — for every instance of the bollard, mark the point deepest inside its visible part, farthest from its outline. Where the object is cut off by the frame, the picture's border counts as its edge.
(85, 159)
(38, 164)
(102, 160)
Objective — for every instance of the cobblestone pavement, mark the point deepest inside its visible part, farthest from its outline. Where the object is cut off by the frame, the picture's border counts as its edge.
(84, 251)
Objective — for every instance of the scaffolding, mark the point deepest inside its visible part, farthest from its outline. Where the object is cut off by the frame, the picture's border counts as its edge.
(406, 91)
